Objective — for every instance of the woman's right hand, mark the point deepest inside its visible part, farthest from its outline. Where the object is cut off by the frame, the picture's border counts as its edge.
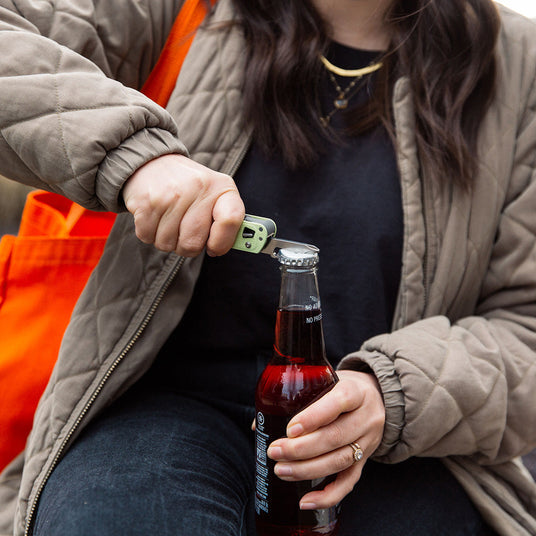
(180, 205)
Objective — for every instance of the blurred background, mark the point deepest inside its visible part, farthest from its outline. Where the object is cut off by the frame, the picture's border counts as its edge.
(526, 7)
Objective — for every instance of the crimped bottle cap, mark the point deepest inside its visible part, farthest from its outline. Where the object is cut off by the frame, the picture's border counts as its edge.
(297, 256)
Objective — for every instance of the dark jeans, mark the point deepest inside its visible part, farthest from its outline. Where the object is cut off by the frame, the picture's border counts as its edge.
(162, 463)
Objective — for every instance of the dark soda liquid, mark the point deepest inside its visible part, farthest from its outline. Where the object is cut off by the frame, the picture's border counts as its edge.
(297, 375)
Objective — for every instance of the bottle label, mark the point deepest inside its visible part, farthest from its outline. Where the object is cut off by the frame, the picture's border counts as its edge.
(276, 499)
(273, 497)
(261, 472)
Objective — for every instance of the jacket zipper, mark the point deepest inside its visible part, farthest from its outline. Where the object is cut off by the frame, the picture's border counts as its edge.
(99, 388)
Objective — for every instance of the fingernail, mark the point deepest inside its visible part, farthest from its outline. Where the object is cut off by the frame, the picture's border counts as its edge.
(275, 452)
(295, 430)
(283, 469)
(307, 506)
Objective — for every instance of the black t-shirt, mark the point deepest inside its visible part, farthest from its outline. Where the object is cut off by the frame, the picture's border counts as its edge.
(348, 204)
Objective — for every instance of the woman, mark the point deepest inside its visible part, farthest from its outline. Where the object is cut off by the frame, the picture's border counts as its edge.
(408, 155)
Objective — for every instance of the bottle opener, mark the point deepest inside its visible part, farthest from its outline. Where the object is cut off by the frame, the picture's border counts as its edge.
(257, 235)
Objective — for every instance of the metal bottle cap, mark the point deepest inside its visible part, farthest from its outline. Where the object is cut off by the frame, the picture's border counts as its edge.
(298, 256)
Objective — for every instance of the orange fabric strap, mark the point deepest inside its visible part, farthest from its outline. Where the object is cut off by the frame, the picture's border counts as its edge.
(163, 77)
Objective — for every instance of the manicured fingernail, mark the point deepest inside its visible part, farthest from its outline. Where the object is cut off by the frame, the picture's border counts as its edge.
(295, 430)
(307, 506)
(282, 469)
(275, 452)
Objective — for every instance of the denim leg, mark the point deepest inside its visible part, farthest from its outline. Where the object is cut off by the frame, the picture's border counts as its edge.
(165, 463)
(418, 497)
(155, 463)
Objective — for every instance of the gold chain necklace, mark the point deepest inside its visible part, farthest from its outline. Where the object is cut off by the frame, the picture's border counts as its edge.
(350, 73)
(344, 95)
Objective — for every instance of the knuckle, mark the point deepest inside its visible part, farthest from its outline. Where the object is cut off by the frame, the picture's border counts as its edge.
(164, 247)
(378, 421)
(165, 198)
(199, 183)
(297, 450)
(207, 183)
(345, 396)
(342, 459)
(218, 250)
(148, 201)
(190, 247)
(164, 244)
(334, 436)
(299, 472)
(173, 195)
(194, 242)
(223, 184)
(225, 180)
(144, 238)
(143, 232)
(234, 215)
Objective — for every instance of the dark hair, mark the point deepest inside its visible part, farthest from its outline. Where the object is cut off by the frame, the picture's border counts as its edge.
(445, 47)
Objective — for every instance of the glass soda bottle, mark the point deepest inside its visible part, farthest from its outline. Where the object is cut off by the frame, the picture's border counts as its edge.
(297, 375)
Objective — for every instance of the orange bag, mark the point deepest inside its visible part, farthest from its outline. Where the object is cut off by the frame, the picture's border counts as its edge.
(44, 269)
(42, 272)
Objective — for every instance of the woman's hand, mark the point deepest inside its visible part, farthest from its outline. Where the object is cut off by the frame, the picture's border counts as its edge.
(180, 205)
(318, 438)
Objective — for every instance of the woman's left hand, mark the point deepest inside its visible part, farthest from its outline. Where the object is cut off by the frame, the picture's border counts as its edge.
(318, 438)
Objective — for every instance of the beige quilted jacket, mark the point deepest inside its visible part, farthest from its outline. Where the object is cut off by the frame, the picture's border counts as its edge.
(458, 371)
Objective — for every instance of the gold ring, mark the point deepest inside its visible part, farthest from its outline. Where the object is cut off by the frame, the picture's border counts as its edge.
(358, 451)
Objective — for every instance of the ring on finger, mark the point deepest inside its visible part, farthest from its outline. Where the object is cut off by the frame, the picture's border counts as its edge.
(358, 451)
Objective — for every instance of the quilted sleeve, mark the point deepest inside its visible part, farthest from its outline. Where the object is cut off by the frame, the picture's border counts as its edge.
(468, 386)
(66, 124)
(124, 37)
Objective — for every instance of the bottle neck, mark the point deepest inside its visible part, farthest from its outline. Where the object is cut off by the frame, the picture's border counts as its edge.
(299, 336)
(299, 288)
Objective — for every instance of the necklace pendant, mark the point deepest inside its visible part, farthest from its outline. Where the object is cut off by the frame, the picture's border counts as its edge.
(341, 102)
(324, 121)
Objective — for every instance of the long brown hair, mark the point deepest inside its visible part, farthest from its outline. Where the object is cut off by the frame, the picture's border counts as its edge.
(445, 47)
